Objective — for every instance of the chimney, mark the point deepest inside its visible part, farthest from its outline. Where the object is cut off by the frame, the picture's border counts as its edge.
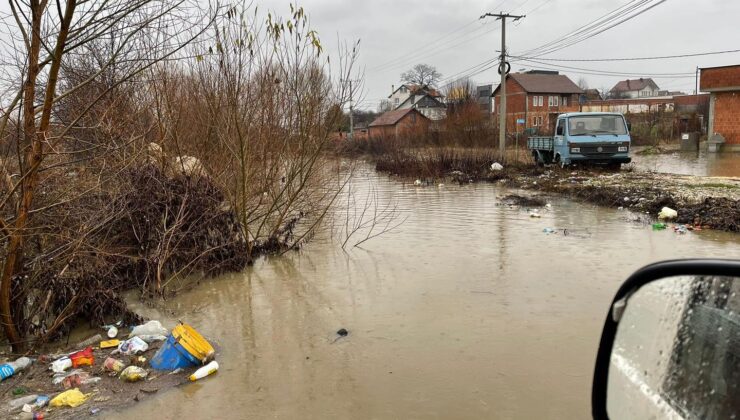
(393, 89)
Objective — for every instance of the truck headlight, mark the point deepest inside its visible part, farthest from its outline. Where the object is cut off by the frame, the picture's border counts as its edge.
(623, 149)
(575, 150)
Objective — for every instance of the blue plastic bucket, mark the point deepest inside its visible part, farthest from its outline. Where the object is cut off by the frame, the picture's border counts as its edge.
(172, 356)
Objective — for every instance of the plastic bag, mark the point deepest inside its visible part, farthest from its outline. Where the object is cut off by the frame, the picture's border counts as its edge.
(150, 328)
(133, 346)
(82, 358)
(71, 398)
(133, 374)
(667, 213)
(152, 337)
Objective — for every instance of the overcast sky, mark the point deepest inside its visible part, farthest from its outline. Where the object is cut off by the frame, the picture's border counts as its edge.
(396, 34)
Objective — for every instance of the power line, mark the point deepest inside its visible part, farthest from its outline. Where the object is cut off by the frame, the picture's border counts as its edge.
(442, 47)
(608, 72)
(593, 24)
(614, 18)
(426, 46)
(664, 57)
(603, 73)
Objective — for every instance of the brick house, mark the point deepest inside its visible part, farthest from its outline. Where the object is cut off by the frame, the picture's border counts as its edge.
(537, 97)
(398, 122)
(723, 85)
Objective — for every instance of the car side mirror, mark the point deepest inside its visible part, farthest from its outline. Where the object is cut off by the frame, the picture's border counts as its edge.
(629, 126)
(559, 131)
(670, 347)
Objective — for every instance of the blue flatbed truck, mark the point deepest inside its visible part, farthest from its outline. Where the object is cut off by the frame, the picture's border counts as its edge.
(593, 137)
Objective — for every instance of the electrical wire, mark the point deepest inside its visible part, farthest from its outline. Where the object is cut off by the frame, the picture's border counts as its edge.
(605, 22)
(664, 57)
(607, 72)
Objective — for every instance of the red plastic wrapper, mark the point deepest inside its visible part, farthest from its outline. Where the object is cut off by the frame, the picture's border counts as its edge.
(82, 358)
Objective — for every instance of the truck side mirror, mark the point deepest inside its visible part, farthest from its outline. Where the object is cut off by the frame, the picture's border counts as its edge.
(669, 344)
(629, 126)
(559, 131)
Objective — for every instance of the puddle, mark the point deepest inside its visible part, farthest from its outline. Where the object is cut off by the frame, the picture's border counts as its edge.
(468, 310)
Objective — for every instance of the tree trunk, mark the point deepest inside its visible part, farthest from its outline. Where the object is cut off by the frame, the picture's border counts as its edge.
(35, 137)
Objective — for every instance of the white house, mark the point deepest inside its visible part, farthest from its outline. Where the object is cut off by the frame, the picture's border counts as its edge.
(426, 100)
(637, 88)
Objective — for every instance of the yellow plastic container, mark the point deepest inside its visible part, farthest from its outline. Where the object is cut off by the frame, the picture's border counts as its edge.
(110, 343)
(193, 342)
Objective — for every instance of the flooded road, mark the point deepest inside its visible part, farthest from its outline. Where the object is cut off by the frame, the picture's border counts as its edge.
(690, 163)
(467, 311)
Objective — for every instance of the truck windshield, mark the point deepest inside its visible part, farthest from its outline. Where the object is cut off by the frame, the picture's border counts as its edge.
(591, 125)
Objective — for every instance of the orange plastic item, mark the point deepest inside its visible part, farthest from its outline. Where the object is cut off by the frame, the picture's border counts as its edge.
(82, 358)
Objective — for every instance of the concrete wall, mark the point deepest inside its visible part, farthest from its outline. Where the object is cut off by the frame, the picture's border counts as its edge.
(634, 106)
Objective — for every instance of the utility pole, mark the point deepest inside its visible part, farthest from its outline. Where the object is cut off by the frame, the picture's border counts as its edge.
(351, 117)
(696, 81)
(351, 133)
(503, 70)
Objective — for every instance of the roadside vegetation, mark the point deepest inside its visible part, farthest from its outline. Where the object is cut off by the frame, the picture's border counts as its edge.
(146, 141)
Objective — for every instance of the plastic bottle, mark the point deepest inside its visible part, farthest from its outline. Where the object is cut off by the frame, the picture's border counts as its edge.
(204, 371)
(90, 341)
(9, 369)
(112, 332)
(113, 365)
(18, 403)
(60, 365)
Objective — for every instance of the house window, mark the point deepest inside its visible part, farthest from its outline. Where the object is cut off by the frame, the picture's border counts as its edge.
(565, 101)
(553, 100)
(537, 121)
(537, 101)
(540, 120)
(395, 101)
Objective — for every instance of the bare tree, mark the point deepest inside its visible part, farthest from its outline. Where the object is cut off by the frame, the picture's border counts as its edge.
(582, 83)
(47, 36)
(422, 75)
(385, 105)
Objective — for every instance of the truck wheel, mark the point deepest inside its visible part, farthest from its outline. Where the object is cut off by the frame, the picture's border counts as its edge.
(537, 160)
(560, 162)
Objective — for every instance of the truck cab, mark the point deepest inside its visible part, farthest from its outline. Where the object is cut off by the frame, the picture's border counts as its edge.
(594, 137)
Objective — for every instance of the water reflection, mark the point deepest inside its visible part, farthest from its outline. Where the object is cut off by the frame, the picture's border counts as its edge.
(468, 310)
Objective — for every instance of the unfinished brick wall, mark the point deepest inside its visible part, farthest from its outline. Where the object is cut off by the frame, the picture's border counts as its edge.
(727, 115)
(720, 77)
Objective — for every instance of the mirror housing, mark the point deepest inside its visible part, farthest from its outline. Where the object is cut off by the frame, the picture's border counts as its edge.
(629, 126)
(646, 275)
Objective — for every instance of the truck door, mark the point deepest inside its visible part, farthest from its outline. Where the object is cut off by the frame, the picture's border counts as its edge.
(561, 143)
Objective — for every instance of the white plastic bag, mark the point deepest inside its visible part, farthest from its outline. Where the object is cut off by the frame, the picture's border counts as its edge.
(150, 328)
(667, 213)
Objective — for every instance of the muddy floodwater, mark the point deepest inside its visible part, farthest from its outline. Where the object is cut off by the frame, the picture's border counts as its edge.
(690, 163)
(467, 311)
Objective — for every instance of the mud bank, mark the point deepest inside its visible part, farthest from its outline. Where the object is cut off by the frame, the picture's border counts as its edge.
(709, 202)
